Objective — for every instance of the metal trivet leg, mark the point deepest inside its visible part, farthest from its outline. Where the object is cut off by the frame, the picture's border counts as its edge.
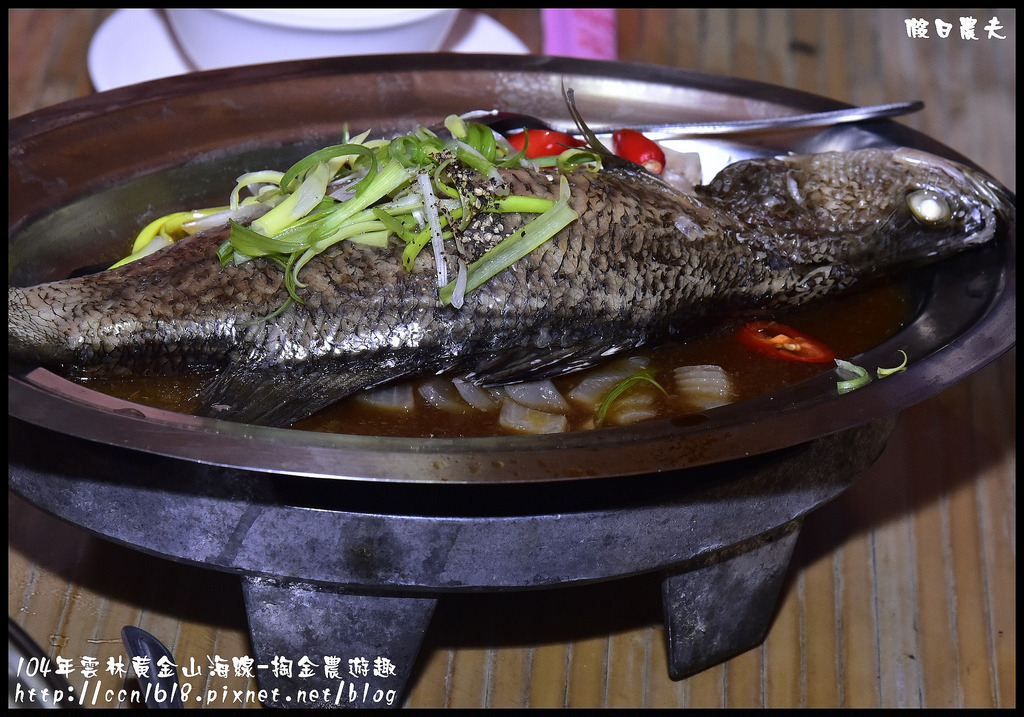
(324, 647)
(720, 609)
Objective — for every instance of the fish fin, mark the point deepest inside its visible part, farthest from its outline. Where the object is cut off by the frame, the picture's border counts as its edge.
(274, 397)
(528, 365)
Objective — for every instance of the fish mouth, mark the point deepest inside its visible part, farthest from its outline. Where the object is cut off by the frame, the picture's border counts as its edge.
(987, 190)
(996, 195)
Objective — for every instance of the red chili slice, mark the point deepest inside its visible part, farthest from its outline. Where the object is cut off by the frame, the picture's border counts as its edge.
(543, 142)
(634, 146)
(783, 342)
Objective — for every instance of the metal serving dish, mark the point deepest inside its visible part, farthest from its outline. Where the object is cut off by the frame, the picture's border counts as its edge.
(86, 174)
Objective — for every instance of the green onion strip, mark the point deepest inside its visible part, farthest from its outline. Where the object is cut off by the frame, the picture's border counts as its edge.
(854, 376)
(513, 248)
(645, 375)
(390, 192)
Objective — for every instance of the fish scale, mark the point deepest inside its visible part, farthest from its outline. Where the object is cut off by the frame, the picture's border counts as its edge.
(641, 263)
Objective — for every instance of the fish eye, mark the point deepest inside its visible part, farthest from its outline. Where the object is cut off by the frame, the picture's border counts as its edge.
(928, 206)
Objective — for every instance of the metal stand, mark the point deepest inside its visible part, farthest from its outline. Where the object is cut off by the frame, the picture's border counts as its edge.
(339, 569)
(718, 610)
(365, 638)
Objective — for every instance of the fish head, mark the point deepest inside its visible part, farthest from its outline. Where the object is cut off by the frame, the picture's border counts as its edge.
(941, 206)
(882, 207)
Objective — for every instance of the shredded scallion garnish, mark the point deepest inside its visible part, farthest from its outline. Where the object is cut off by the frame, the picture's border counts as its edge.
(883, 372)
(513, 248)
(646, 375)
(405, 192)
(434, 224)
(163, 232)
(855, 376)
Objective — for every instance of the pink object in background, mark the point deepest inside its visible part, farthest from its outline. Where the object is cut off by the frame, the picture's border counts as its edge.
(580, 32)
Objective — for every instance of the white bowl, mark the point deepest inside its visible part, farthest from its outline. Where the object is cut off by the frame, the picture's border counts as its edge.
(218, 37)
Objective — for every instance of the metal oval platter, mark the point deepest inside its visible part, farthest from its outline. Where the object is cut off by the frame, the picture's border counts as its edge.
(86, 174)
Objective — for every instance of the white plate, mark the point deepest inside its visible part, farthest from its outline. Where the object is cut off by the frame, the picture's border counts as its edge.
(136, 45)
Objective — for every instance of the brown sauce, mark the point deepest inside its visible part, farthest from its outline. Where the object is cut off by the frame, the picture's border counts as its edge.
(848, 325)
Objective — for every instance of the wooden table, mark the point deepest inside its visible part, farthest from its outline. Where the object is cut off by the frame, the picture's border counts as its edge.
(901, 592)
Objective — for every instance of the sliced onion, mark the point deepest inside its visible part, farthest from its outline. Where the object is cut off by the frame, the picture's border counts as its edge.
(627, 417)
(599, 381)
(538, 395)
(478, 397)
(682, 169)
(704, 386)
(637, 404)
(517, 417)
(440, 393)
(396, 397)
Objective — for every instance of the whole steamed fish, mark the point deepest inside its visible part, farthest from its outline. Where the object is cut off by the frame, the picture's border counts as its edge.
(639, 263)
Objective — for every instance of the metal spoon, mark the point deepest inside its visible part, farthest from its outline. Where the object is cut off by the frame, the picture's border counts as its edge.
(162, 691)
(507, 120)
